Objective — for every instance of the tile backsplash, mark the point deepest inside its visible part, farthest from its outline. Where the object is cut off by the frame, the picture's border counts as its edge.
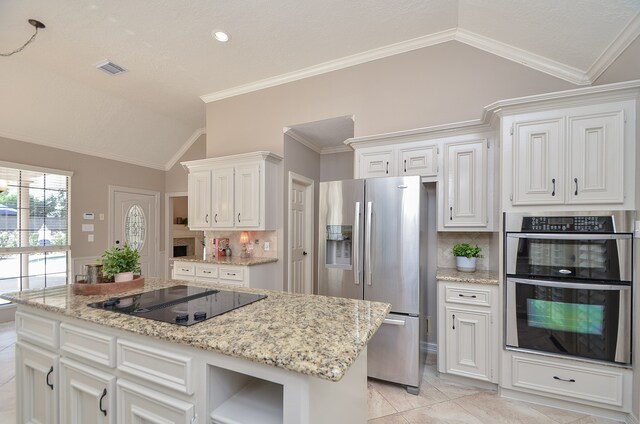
(488, 242)
(258, 248)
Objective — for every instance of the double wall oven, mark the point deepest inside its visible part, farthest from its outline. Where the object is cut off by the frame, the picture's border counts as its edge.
(569, 282)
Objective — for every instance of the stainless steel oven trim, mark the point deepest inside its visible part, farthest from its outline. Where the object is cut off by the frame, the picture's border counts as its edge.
(623, 221)
(570, 285)
(571, 236)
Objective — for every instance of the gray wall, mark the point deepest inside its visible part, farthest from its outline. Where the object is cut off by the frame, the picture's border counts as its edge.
(176, 178)
(336, 166)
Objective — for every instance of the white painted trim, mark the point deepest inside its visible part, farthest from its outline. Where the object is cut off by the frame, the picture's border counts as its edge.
(615, 49)
(334, 65)
(24, 167)
(300, 139)
(309, 218)
(196, 134)
(233, 159)
(335, 149)
(524, 57)
(168, 229)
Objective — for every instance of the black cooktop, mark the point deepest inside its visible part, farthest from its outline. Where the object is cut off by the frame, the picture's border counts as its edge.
(183, 305)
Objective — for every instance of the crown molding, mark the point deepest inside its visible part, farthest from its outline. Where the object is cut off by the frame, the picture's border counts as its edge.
(334, 65)
(300, 139)
(615, 49)
(196, 134)
(232, 159)
(336, 149)
(515, 54)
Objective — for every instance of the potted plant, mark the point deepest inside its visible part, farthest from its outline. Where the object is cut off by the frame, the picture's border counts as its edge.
(466, 256)
(120, 263)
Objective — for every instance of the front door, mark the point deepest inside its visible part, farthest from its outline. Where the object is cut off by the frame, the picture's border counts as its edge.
(134, 220)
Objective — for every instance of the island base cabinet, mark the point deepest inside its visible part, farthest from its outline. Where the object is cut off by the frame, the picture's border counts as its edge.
(87, 395)
(36, 385)
(138, 404)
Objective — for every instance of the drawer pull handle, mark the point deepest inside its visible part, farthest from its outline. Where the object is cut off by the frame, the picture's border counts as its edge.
(238, 217)
(231, 273)
(387, 167)
(568, 380)
(185, 270)
(450, 213)
(453, 321)
(48, 375)
(206, 218)
(473, 296)
(553, 181)
(405, 166)
(206, 272)
(104, 411)
(575, 180)
(215, 218)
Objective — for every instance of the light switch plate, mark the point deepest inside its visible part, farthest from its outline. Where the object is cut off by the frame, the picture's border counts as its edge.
(266, 246)
(90, 238)
(88, 216)
(87, 228)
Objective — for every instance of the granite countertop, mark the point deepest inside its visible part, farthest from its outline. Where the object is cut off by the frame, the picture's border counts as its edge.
(478, 277)
(231, 260)
(314, 335)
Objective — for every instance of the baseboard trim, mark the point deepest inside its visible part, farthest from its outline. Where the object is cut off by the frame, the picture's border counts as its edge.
(8, 312)
(429, 347)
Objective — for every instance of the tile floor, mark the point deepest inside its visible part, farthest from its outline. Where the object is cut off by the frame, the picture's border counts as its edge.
(438, 401)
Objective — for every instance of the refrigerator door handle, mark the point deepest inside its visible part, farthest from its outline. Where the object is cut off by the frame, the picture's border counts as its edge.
(367, 247)
(355, 245)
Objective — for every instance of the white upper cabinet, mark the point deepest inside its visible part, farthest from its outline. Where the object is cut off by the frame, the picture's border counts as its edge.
(235, 192)
(376, 163)
(404, 158)
(421, 161)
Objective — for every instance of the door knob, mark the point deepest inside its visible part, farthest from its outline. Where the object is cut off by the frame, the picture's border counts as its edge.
(304, 253)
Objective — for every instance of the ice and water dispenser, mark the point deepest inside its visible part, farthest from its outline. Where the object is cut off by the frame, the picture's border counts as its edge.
(338, 245)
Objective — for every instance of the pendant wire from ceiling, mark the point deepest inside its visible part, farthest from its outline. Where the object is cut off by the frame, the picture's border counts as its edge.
(37, 25)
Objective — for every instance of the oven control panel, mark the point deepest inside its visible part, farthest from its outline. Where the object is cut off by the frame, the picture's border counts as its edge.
(571, 224)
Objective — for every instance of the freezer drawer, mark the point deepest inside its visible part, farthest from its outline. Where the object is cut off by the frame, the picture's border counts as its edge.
(394, 351)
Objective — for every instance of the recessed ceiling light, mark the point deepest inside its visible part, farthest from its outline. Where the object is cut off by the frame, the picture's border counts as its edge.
(221, 36)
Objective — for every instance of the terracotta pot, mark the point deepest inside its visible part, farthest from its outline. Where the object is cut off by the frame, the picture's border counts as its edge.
(465, 264)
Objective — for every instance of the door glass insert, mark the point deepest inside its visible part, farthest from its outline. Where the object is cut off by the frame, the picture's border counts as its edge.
(135, 227)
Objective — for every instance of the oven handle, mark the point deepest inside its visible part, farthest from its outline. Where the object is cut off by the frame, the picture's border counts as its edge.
(564, 236)
(562, 284)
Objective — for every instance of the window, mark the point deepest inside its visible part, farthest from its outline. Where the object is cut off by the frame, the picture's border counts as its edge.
(34, 227)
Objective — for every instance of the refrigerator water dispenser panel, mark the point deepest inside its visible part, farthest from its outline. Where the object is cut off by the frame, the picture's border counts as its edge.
(338, 246)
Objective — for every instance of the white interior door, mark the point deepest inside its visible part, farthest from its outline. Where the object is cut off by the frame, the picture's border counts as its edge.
(134, 220)
(300, 235)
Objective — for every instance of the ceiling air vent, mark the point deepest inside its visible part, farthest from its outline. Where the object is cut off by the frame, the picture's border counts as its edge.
(110, 67)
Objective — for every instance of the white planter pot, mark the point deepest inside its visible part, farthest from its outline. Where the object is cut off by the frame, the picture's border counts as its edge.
(123, 276)
(465, 264)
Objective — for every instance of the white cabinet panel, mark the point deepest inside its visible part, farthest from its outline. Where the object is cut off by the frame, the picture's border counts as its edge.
(138, 404)
(377, 164)
(200, 199)
(421, 161)
(36, 385)
(87, 395)
(88, 345)
(222, 195)
(247, 196)
(468, 342)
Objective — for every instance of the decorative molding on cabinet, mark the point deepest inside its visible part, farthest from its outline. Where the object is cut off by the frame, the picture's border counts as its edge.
(232, 160)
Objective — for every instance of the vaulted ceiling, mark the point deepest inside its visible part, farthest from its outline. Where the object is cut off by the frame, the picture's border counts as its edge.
(52, 94)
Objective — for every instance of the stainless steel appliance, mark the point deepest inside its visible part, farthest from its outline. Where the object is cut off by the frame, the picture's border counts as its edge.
(569, 280)
(372, 245)
(180, 304)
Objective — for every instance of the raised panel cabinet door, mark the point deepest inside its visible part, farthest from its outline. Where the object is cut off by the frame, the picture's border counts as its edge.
(36, 385)
(138, 404)
(87, 395)
(467, 341)
(596, 165)
(538, 162)
(222, 198)
(376, 164)
(465, 184)
(421, 161)
(247, 196)
(200, 199)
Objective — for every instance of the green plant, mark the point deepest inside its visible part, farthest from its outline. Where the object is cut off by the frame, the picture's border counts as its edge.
(120, 259)
(466, 250)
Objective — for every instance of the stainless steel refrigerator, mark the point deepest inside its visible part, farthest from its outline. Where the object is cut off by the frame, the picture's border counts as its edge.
(373, 245)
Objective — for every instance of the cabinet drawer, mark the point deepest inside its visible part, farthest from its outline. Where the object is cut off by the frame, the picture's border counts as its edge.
(89, 345)
(235, 274)
(583, 383)
(38, 330)
(468, 295)
(207, 271)
(184, 268)
(162, 367)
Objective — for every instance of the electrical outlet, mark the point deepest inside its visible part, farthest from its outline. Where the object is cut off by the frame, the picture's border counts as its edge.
(266, 246)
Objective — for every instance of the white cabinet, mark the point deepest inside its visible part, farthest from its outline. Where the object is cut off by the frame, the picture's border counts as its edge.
(87, 395)
(468, 343)
(138, 404)
(421, 161)
(415, 158)
(36, 384)
(235, 192)
(376, 163)
(256, 276)
(465, 184)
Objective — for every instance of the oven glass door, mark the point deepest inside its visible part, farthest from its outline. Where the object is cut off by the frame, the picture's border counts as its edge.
(601, 257)
(583, 320)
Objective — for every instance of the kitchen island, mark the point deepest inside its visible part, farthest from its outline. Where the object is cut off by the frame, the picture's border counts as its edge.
(285, 359)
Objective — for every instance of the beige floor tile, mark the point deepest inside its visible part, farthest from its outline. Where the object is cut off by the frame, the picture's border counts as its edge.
(451, 390)
(8, 396)
(378, 405)
(491, 409)
(7, 334)
(389, 419)
(595, 420)
(7, 364)
(431, 359)
(398, 397)
(560, 415)
(8, 417)
(442, 413)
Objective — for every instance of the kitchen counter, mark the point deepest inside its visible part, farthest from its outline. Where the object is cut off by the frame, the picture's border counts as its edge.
(478, 277)
(231, 260)
(313, 335)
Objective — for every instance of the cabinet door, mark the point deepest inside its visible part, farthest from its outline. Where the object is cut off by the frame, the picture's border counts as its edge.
(465, 184)
(467, 342)
(420, 161)
(138, 404)
(247, 196)
(596, 165)
(36, 385)
(222, 198)
(200, 199)
(376, 164)
(538, 161)
(87, 395)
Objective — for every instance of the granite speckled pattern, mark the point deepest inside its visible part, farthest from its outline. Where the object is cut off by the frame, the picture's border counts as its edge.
(231, 260)
(478, 277)
(314, 335)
